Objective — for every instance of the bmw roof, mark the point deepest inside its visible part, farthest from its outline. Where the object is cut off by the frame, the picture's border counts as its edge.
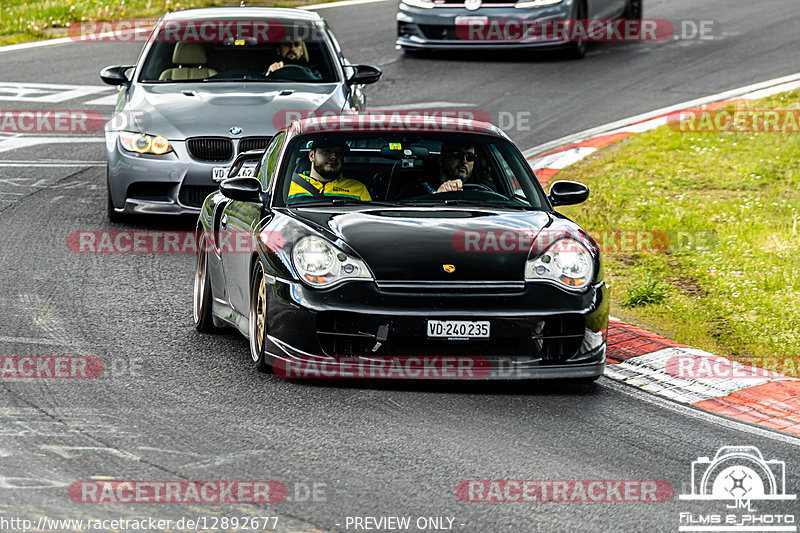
(211, 13)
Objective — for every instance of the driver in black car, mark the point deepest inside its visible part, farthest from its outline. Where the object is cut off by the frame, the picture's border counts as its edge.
(291, 52)
(456, 165)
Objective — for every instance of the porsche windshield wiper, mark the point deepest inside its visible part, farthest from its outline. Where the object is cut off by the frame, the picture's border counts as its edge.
(471, 203)
(343, 201)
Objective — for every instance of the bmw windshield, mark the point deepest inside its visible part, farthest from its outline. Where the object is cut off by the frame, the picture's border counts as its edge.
(237, 50)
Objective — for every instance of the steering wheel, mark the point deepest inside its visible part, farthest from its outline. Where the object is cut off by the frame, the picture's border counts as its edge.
(476, 187)
(295, 73)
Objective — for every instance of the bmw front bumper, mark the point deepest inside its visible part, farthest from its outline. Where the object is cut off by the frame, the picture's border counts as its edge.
(169, 184)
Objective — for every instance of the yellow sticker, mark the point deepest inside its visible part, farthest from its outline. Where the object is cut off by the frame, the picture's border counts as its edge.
(239, 42)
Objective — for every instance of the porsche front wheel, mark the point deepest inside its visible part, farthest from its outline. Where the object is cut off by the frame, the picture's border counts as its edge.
(203, 321)
(258, 318)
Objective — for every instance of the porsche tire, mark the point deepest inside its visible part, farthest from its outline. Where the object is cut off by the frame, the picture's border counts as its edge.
(202, 297)
(258, 318)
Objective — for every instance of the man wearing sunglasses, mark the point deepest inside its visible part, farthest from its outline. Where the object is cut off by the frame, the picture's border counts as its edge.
(456, 165)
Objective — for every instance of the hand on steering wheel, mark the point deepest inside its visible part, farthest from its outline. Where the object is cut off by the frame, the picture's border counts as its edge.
(476, 187)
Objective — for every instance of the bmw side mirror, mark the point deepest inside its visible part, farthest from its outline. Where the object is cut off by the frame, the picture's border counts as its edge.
(364, 74)
(568, 193)
(241, 189)
(115, 75)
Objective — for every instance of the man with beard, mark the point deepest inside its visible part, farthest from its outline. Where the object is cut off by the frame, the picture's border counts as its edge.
(325, 177)
(456, 165)
(291, 52)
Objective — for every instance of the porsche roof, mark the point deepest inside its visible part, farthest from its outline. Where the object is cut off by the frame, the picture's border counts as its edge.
(412, 122)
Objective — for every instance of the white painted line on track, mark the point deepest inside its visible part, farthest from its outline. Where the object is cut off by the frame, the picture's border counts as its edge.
(706, 416)
(49, 165)
(48, 93)
(20, 162)
(35, 44)
(781, 84)
(110, 99)
(26, 142)
(29, 340)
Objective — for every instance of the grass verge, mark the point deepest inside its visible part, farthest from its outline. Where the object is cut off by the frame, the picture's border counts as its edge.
(31, 20)
(739, 297)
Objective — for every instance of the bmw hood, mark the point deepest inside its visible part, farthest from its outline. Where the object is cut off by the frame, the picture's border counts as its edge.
(439, 244)
(180, 110)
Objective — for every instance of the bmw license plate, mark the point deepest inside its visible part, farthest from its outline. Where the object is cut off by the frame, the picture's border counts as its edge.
(458, 329)
(221, 173)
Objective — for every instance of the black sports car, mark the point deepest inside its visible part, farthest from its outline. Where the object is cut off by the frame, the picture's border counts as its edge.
(378, 246)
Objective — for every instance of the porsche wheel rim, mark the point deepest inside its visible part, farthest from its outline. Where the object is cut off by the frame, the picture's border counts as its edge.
(258, 314)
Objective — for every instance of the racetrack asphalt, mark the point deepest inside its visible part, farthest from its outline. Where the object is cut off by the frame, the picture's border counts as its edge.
(173, 404)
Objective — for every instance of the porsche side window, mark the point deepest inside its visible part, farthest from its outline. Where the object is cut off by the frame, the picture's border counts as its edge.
(270, 166)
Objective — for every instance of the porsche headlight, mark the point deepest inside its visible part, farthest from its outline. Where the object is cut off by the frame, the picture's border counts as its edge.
(566, 261)
(320, 264)
(142, 143)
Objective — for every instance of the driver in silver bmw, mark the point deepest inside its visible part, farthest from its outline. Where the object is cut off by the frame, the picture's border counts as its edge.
(290, 52)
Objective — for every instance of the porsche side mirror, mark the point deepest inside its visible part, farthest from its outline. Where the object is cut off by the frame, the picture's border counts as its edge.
(364, 74)
(115, 75)
(568, 193)
(241, 189)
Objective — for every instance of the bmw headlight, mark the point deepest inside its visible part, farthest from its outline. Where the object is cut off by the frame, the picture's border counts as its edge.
(567, 262)
(320, 264)
(144, 144)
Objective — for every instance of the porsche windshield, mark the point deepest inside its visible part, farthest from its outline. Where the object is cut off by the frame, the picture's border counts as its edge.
(408, 169)
(182, 56)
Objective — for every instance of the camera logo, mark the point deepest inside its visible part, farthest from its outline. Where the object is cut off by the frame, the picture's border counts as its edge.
(738, 473)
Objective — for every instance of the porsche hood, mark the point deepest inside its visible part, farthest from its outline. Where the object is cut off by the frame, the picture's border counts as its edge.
(442, 245)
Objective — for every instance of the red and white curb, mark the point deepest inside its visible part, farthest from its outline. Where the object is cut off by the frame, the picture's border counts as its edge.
(651, 362)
